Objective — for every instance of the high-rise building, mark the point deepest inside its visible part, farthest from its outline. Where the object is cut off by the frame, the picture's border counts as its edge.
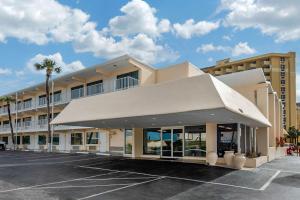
(279, 69)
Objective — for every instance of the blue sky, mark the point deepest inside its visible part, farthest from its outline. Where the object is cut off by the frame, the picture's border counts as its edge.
(81, 33)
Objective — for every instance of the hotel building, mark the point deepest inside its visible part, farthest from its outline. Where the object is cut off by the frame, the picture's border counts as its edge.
(125, 106)
(279, 69)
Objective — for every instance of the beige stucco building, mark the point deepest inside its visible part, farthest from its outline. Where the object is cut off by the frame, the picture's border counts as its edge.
(125, 106)
(279, 69)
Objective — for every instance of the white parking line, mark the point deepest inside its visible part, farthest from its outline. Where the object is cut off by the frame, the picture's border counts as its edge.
(78, 186)
(178, 178)
(282, 170)
(58, 182)
(45, 163)
(121, 188)
(54, 158)
(123, 178)
(270, 180)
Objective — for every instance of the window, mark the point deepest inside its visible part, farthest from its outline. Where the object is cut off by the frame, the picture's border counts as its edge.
(76, 139)
(27, 103)
(55, 139)
(282, 74)
(5, 139)
(282, 82)
(27, 121)
(77, 92)
(92, 138)
(42, 119)
(127, 80)
(282, 68)
(57, 96)
(19, 105)
(26, 139)
(151, 141)
(95, 88)
(128, 141)
(195, 141)
(226, 138)
(18, 139)
(282, 89)
(42, 100)
(282, 59)
(283, 97)
(42, 140)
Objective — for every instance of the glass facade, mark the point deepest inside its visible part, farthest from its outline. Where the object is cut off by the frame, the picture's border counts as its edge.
(55, 139)
(195, 141)
(42, 140)
(26, 139)
(76, 139)
(226, 138)
(92, 138)
(128, 141)
(151, 141)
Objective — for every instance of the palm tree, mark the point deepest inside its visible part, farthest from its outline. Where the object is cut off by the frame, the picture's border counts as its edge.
(292, 133)
(49, 66)
(8, 100)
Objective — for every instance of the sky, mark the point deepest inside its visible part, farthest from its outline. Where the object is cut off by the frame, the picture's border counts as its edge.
(81, 33)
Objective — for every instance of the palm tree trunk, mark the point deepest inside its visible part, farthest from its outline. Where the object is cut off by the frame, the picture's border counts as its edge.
(48, 110)
(11, 126)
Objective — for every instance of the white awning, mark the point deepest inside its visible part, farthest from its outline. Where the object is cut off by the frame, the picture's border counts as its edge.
(189, 101)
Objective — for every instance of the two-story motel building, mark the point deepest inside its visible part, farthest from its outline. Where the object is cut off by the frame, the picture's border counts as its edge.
(128, 107)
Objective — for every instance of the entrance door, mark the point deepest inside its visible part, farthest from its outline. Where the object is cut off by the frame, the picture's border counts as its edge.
(172, 142)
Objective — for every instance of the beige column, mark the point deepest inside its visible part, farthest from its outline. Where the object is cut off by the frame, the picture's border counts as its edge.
(211, 137)
(262, 134)
(137, 142)
(272, 119)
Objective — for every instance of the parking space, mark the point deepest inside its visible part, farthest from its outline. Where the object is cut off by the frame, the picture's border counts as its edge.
(29, 175)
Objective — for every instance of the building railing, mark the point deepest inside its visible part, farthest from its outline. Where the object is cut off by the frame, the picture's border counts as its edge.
(125, 83)
(63, 98)
(34, 125)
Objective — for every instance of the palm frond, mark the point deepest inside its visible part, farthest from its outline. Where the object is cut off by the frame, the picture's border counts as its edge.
(57, 70)
(38, 66)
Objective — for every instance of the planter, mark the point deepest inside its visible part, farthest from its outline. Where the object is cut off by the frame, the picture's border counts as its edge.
(239, 160)
(228, 157)
(212, 158)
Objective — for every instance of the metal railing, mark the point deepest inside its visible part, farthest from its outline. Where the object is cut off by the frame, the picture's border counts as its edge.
(125, 83)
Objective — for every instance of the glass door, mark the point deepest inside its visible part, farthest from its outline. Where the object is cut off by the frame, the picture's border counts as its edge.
(171, 142)
(166, 143)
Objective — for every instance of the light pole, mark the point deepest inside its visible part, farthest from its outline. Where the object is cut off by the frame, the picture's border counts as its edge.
(16, 107)
(52, 113)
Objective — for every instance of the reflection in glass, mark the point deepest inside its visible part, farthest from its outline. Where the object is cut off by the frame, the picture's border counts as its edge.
(166, 142)
(195, 141)
(152, 141)
(177, 142)
(128, 141)
(227, 138)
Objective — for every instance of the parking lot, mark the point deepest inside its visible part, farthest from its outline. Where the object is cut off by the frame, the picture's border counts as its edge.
(52, 176)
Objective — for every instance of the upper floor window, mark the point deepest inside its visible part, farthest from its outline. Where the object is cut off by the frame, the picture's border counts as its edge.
(19, 105)
(57, 96)
(282, 59)
(127, 80)
(282, 68)
(77, 92)
(42, 100)
(95, 87)
(282, 82)
(27, 121)
(27, 103)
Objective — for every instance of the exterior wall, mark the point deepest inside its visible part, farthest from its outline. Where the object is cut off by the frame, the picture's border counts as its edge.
(271, 65)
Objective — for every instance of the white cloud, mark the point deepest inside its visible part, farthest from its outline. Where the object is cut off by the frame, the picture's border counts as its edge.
(140, 46)
(138, 17)
(205, 48)
(66, 67)
(277, 18)
(5, 71)
(226, 37)
(210, 59)
(189, 28)
(39, 22)
(241, 48)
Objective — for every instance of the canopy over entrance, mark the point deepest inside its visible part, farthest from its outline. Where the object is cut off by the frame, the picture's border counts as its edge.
(189, 101)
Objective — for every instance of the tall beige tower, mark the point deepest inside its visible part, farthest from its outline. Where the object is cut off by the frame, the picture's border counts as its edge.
(279, 69)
